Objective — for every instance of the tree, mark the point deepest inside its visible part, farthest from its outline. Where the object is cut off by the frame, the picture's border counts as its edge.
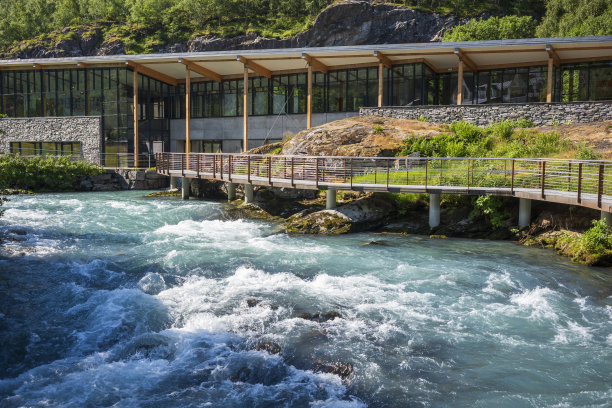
(494, 28)
(572, 18)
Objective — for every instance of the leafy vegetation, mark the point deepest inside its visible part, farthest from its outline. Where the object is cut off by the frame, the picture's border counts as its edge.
(144, 24)
(594, 247)
(504, 139)
(493, 28)
(43, 173)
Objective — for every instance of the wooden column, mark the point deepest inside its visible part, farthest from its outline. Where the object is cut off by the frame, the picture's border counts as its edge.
(381, 73)
(187, 111)
(549, 81)
(135, 87)
(245, 108)
(460, 83)
(309, 99)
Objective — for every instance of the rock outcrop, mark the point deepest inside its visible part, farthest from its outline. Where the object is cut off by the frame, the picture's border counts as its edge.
(351, 22)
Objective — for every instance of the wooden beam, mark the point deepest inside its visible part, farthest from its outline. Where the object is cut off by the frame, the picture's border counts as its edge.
(430, 65)
(553, 54)
(383, 59)
(589, 59)
(245, 108)
(187, 111)
(309, 99)
(460, 83)
(381, 73)
(468, 62)
(549, 81)
(512, 65)
(255, 67)
(198, 69)
(151, 73)
(135, 95)
(316, 64)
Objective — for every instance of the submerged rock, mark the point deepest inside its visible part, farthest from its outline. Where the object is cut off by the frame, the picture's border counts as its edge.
(375, 243)
(252, 302)
(268, 346)
(339, 368)
(165, 193)
(320, 317)
(152, 283)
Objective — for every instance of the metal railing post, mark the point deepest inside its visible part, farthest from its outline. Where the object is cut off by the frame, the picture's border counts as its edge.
(569, 176)
(600, 185)
(270, 170)
(317, 173)
(543, 183)
(214, 166)
(351, 174)
(387, 174)
(512, 179)
(249, 168)
(198, 165)
(182, 164)
(292, 171)
(426, 160)
(579, 189)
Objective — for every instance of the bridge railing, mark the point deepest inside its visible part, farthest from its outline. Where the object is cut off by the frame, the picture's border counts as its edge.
(545, 175)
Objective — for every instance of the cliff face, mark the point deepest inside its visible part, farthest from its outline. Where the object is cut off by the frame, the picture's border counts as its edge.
(351, 22)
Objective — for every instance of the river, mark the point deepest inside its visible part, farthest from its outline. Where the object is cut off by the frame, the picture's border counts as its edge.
(126, 301)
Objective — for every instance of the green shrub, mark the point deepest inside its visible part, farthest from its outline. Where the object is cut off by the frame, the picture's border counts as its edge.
(466, 131)
(378, 129)
(524, 123)
(494, 208)
(504, 129)
(43, 173)
(547, 144)
(423, 119)
(586, 153)
(598, 238)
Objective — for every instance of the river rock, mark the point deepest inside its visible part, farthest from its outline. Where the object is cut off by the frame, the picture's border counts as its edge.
(326, 222)
(339, 368)
(152, 283)
(320, 317)
(268, 346)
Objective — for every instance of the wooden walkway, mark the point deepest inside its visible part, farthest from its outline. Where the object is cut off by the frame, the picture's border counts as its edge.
(582, 183)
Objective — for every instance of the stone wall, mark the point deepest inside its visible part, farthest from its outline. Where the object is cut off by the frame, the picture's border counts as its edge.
(124, 179)
(482, 115)
(84, 129)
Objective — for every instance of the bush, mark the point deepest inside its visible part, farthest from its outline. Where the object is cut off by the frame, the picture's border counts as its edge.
(43, 173)
(466, 131)
(524, 123)
(494, 208)
(586, 153)
(597, 239)
(423, 119)
(504, 129)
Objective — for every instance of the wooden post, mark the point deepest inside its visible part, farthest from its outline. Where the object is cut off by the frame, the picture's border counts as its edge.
(460, 83)
(245, 107)
(135, 118)
(309, 99)
(381, 73)
(549, 81)
(187, 111)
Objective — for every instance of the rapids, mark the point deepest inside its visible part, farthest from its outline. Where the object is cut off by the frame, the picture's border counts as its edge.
(115, 299)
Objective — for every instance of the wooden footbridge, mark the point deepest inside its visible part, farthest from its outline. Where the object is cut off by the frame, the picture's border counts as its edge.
(575, 182)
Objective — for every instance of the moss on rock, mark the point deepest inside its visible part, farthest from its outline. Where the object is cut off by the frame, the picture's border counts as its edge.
(326, 222)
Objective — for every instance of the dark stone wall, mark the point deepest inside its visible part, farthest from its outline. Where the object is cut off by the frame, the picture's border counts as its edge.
(540, 113)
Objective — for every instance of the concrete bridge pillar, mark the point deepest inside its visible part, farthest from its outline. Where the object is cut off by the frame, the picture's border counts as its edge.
(248, 193)
(605, 215)
(173, 182)
(231, 191)
(330, 202)
(185, 187)
(434, 210)
(524, 212)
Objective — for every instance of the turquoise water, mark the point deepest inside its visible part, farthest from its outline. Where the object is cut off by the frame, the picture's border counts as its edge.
(127, 301)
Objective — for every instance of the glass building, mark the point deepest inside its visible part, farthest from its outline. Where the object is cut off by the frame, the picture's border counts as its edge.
(108, 92)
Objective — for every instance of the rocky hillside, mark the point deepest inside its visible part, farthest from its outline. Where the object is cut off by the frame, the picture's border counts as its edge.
(350, 22)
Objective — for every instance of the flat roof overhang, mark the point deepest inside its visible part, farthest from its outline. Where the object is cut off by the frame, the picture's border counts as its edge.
(441, 57)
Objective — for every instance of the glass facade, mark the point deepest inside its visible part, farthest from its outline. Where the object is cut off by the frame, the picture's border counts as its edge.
(108, 92)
